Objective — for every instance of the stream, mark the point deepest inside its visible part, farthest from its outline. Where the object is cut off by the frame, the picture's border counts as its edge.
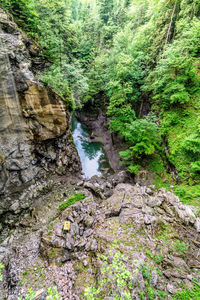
(92, 154)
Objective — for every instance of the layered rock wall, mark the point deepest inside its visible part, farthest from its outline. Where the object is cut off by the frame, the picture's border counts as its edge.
(35, 133)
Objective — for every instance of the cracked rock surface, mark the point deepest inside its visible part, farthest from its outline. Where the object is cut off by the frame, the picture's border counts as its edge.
(157, 235)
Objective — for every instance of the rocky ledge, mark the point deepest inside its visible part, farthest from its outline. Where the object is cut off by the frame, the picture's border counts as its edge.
(147, 234)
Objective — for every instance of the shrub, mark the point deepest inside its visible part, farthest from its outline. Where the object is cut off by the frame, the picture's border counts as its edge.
(143, 137)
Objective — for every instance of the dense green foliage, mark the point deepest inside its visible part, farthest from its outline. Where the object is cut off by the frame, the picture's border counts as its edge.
(146, 59)
(143, 137)
(139, 61)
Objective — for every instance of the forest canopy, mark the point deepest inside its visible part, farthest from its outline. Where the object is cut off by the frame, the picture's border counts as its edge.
(139, 60)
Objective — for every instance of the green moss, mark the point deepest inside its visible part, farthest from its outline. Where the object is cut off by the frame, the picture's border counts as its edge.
(85, 276)
(52, 253)
(180, 129)
(71, 200)
(158, 258)
(129, 243)
(187, 294)
(146, 273)
(71, 140)
(165, 233)
(161, 295)
(180, 246)
(151, 293)
(50, 227)
(25, 272)
(141, 295)
(179, 138)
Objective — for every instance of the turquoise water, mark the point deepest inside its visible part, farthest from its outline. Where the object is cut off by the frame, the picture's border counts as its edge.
(91, 153)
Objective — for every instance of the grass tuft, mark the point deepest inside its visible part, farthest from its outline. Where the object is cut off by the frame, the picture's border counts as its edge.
(71, 200)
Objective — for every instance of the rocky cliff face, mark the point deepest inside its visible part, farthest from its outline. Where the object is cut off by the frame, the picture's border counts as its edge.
(34, 126)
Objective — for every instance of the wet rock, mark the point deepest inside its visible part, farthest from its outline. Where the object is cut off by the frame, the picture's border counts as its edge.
(102, 161)
(82, 243)
(173, 273)
(70, 218)
(91, 245)
(114, 204)
(108, 185)
(141, 281)
(135, 279)
(74, 230)
(58, 229)
(105, 170)
(149, 191)
(85, 263)
(81, 231)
